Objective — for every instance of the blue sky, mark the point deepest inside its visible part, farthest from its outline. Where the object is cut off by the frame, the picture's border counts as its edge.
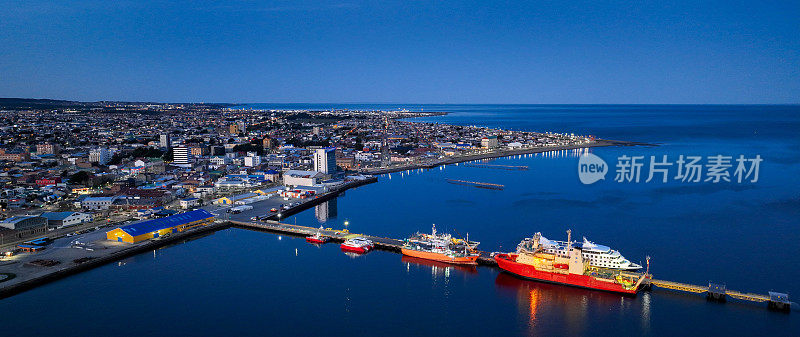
(403, 51)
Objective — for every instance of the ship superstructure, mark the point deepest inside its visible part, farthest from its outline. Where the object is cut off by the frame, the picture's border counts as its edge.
(596, 255)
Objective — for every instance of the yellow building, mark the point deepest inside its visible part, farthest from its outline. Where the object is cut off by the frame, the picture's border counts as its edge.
(151, 229)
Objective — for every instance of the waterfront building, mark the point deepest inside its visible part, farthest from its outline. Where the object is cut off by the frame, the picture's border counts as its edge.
(489, 142)
(301, 178)
(325, 160)
(151, 229)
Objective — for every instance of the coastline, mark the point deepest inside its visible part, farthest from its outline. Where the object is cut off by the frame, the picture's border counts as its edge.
(498, 154)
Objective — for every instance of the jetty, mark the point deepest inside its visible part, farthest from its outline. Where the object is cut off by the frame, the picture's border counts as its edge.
(776, 301)
(476, 184)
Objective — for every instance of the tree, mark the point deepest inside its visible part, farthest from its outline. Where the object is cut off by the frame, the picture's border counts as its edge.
(79, 178)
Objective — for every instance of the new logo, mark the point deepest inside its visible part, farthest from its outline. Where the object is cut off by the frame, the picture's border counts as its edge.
(591, 168)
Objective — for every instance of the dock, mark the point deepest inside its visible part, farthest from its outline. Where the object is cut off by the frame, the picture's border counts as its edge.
(339, 236)
(718, 292)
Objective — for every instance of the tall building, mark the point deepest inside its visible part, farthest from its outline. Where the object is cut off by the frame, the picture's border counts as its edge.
(252, 159)
(180, 156)
(325, 160)
(233, 129)
(100, 155)
(166, 142)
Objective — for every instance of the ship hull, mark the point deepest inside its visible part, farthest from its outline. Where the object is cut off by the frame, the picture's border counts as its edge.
(358, 250)
(321, 240)
(466, 260)
(582, 281)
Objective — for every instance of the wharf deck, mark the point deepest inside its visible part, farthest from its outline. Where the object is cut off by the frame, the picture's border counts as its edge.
(394, 245)
(339, 236)
(697, 289)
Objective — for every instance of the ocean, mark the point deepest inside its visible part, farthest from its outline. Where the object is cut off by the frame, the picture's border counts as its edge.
(239, 282)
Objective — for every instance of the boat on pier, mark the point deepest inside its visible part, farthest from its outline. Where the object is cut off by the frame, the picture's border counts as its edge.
(318, 237)
(358, 245)
(533, 262)
(441, 247)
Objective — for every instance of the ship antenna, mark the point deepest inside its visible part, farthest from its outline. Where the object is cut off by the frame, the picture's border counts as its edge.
(569, 239)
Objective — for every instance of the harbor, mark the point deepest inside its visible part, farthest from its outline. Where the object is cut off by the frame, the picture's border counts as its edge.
(774, 300)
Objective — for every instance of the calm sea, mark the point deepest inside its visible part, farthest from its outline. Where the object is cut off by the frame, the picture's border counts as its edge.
(239, 282)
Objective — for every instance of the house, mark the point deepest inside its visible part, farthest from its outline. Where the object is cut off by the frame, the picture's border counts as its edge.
(190, 203)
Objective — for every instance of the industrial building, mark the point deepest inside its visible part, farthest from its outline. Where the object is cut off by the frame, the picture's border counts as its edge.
(24, 222)
(151, 229)
(64, 219)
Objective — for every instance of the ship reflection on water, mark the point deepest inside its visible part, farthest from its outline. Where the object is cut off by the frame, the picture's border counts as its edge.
(437, 268)
(543, 305)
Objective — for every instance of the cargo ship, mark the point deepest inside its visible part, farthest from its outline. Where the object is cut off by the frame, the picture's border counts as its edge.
(441, 247)
(567, 267)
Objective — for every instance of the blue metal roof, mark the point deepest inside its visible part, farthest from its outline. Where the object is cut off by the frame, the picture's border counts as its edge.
(149, 226)
(56, 215)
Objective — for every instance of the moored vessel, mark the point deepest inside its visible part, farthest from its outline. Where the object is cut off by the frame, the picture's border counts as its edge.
(569, 267)
(318, 237)
(357, 244)
(441, 247)
(596, 255)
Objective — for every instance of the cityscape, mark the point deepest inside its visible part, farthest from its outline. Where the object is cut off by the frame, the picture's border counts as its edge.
(396, 168)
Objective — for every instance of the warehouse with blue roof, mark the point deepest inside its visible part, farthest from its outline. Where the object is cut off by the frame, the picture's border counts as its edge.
(151, 229)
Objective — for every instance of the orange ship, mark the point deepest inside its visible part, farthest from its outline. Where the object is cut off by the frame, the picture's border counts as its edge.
(441, 247)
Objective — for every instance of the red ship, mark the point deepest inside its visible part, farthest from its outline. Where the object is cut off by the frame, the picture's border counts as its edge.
(531, 262)
(357, 245)
(318, 238)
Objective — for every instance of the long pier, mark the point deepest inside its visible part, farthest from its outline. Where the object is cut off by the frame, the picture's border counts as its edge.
(476, 184)
(495, 166)
(778, 301)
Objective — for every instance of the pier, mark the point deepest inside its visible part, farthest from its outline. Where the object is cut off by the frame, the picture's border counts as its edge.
(775, 301)
(476, 184)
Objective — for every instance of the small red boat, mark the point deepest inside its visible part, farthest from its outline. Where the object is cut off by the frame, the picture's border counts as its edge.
(357, 245)
(318, 238)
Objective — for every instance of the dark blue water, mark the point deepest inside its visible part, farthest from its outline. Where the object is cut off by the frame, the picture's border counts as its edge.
(250, 283)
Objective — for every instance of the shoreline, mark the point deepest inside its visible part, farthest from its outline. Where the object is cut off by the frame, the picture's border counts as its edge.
(498, 154)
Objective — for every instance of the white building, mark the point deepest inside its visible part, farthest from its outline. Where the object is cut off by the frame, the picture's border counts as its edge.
(189, 203)
(219, 160)
(97, 203)
(180, 156)
(325, 160)
(66, 219)
(301, 178)
(252, 159)
(489, 142)
(100, 155)
(166, 142)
